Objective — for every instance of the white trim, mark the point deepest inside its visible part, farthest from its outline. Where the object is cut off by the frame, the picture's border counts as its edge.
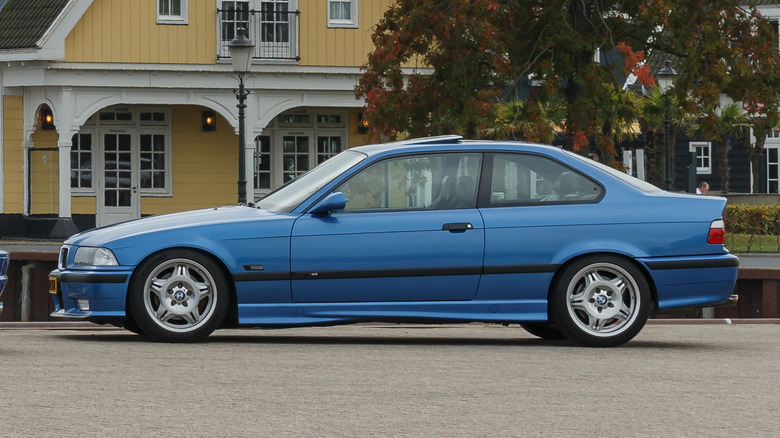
(182, 18)
(342, 23)
(703, 170)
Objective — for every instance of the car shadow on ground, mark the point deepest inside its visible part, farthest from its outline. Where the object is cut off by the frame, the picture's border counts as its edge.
(257, 338)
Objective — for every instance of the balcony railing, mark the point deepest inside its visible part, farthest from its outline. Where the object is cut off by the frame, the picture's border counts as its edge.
(274, 33)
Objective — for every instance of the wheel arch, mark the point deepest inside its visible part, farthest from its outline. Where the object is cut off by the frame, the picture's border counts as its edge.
(640, 266)
(232, 314)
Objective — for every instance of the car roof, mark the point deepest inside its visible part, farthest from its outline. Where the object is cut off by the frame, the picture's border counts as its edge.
(445, 142)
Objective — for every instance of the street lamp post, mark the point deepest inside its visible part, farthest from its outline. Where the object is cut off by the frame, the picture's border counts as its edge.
(241, 55)
(665, 82)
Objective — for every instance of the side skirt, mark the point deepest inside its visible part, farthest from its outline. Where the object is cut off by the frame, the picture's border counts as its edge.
(305, 314)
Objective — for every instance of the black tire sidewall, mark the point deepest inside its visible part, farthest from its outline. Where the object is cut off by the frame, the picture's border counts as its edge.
(563, 320)
(146, 322)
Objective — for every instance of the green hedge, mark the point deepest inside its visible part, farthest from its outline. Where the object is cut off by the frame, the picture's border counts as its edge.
(753, 219)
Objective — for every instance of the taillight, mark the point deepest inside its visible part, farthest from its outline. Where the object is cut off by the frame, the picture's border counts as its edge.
(717, 234)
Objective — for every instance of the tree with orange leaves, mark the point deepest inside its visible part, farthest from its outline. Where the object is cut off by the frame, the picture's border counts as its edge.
(443, 66)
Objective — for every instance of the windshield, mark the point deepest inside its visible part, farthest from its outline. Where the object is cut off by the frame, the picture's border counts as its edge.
(636, 182)
(287, 197)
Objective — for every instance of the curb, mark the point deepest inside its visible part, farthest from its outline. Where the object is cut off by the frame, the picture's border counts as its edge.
(713, 321)
(54, 325)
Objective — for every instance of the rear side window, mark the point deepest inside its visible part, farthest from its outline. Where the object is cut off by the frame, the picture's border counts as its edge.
(524, 179)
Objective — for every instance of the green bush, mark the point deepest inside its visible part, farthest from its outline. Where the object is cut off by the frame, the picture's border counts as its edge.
(753, 219)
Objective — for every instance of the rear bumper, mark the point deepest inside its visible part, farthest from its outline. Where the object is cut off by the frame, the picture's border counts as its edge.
(694, 281)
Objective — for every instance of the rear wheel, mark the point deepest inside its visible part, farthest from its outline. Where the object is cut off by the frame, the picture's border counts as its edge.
(600, 301)
(179, 296)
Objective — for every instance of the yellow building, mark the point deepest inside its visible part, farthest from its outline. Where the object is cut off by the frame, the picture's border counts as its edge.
(114, 109)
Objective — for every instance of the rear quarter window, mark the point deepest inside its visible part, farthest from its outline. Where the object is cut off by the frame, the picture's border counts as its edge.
(526, 179)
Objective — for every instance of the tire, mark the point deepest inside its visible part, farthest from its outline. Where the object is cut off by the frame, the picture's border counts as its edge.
(600, 301)
(543, 330)
(179, 296)
(131, 326)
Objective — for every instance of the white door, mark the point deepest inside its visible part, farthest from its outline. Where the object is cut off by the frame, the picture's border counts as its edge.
(118, 198)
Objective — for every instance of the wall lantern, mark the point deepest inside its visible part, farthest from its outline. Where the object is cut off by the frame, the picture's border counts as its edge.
(47, 119)
(209, 121)
(362, 124)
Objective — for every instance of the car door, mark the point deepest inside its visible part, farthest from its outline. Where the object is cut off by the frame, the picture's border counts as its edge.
(410, 232)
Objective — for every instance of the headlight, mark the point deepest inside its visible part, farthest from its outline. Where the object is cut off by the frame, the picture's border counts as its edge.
(95, 257)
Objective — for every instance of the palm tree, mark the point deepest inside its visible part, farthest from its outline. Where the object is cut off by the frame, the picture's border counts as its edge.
(651, 121)
(528, 120)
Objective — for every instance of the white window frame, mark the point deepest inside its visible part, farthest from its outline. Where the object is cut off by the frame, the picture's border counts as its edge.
(702, 170)
(88, 191)
(181, 18)
(341, 23)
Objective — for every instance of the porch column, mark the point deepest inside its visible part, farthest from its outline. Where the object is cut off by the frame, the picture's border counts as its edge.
(26, 146)
(66, 128)
(64, 147)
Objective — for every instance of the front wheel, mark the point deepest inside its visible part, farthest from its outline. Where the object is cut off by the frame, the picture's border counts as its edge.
(600, 301)
(179, 296)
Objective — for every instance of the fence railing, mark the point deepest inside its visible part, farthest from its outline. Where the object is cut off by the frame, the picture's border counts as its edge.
(274, 33)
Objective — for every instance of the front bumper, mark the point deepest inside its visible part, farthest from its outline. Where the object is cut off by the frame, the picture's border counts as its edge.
(89, 294)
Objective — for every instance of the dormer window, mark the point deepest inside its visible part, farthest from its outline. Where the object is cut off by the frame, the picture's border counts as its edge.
(342, 13)
(172, 11)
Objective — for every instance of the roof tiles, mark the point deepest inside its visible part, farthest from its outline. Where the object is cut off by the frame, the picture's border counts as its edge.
(24, 22)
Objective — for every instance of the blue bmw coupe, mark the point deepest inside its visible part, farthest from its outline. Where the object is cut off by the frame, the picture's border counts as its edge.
(429, 230)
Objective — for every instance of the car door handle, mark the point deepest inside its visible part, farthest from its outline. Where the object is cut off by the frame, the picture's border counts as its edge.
(455, 227)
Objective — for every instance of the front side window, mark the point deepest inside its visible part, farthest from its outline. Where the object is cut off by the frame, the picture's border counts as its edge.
(172, 11)
(418, 182)
(342, 13)
(524, 179)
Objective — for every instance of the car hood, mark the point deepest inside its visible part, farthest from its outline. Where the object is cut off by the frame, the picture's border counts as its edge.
(213, 220)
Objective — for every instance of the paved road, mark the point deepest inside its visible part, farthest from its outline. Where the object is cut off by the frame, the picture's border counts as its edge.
(356, 381)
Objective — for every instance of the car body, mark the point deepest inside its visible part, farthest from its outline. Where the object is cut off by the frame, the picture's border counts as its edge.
(3, 274)
(427, 230)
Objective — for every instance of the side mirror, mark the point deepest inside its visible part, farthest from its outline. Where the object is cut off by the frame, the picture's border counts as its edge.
(333, 202)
